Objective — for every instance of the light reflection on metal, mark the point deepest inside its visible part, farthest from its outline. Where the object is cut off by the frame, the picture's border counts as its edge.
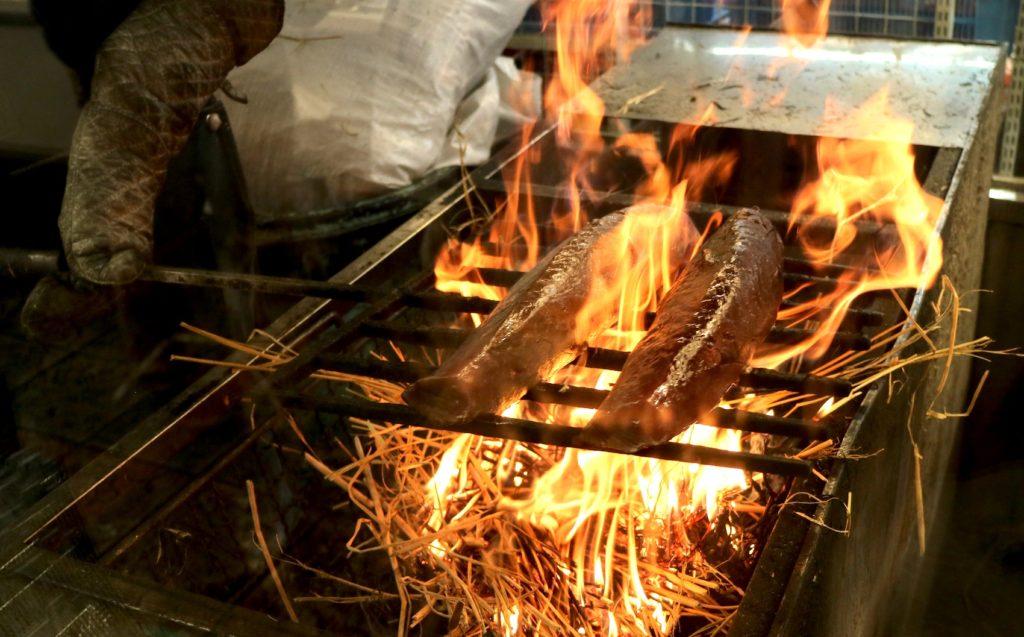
(921, 58)
(758, 81)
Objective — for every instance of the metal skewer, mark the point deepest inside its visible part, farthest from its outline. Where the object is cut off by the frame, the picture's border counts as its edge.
(16, 263)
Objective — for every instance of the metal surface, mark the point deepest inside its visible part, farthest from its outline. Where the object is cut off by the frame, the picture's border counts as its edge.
(760, 82)
(761, 378)
(865, 582)
(27, 263)
(547, 434)
(452, 337)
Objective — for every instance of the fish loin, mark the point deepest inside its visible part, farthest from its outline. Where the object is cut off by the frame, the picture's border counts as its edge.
(719, 310)
(541, 326)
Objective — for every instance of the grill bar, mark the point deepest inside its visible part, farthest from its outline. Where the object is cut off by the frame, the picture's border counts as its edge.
(454, 302)
(831, 270)
(17, 263)
(754, 377)
(507, 278)
(815, 227)
(21, 263)
(791, 263)
(449, 337)
(528, 431)
(586, 397)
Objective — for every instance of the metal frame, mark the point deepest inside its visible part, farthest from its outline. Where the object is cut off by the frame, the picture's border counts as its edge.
(307, 326)
(209, 398)
(771, 580)
(798, 584)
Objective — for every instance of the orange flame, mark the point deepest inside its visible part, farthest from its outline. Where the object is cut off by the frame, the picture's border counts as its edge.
(806, 21)
(592, 503)
(866, 191)
(597, 507)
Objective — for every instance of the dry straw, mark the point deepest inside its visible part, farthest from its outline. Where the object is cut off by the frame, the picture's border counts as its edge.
(462, 552)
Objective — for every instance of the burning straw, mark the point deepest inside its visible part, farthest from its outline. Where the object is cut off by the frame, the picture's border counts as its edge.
(459, 549)
(507, 537)
(450, 513)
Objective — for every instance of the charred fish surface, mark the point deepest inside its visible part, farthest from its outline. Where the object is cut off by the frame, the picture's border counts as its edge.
(706, 330)
(542, 325)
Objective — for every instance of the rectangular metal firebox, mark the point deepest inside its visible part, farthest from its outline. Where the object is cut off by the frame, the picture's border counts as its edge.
(152, 535)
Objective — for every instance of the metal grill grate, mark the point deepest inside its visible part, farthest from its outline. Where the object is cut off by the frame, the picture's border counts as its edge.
(419, 316)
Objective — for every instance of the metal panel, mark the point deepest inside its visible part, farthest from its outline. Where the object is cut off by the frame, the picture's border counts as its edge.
(759, 82)
(865, 583)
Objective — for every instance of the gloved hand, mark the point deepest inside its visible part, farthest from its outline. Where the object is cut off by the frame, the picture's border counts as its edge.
(152, 76)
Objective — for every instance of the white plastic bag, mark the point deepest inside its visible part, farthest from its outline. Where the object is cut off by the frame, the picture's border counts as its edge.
(355, 98)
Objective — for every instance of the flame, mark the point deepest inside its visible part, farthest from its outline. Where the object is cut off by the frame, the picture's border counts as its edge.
(866, 190)
(602, 509)
(510, 621)
(805, 21)
(590, 503)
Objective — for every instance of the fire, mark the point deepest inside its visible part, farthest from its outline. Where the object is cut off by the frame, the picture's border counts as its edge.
(866, 189)
(595, 505)
(612, 515)
(590, 35)
(806, 21)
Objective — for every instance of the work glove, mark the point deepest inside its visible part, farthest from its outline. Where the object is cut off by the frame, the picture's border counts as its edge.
(151, 78)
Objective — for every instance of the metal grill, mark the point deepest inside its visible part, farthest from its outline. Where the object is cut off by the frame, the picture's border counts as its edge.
(385, 319)
(391, 304)
(105, 521)
(408, 311)
(417, 315)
